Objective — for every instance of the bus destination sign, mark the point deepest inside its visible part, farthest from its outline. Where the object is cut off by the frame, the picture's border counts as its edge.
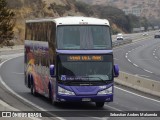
(85, 58)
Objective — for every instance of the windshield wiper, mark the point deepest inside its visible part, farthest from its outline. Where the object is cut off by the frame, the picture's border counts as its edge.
(99, 79)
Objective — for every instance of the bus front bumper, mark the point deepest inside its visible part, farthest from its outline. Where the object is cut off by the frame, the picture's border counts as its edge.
(91, 98)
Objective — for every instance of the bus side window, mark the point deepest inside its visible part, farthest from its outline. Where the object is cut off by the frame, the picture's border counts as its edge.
(52, 43)
(28, 31)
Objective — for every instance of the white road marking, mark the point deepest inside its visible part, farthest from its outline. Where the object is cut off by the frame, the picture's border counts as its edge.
(142, 75)
(154, 54)
(138, 66)
(143, 59)
(135, 65)
(18, 73)
(137, 95)
(147, 70)
(116, 59)
(100, 118)
(129, 60)
(156, 57)
(112, 107)
(126, 55)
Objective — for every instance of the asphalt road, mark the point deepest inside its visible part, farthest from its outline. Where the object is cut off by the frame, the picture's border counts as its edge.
(12, 74)
(140, 58)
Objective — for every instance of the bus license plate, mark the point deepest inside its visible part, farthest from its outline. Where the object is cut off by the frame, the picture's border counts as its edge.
(86, 99)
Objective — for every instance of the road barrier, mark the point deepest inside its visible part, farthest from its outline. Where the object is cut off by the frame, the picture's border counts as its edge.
(16, 47)
(139, 83)
(121, 42)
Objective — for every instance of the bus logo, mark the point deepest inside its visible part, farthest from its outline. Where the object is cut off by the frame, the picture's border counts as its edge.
(63, 77)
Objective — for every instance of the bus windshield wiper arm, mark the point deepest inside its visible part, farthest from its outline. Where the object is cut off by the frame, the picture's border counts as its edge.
(99, 79)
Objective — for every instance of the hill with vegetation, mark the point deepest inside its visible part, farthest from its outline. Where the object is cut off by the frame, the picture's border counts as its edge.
(146, 8)
(30, 9)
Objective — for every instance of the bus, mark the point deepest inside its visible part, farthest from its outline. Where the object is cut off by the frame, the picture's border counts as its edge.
(70, 59)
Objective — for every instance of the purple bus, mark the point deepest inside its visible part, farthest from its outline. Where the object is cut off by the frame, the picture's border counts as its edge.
(70, 59)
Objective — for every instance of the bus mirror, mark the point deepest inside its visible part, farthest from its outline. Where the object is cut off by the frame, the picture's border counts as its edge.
(116, 70)
(51, 70)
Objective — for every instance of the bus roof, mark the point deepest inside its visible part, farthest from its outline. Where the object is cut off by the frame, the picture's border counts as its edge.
(73, 20)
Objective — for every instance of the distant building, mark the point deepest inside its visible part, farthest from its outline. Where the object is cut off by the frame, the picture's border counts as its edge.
(135, 10)
(150, 28)
(127, 11)
(156, 27)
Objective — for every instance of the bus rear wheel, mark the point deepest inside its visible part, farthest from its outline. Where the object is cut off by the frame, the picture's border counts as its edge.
(33, 90)
(99, 104)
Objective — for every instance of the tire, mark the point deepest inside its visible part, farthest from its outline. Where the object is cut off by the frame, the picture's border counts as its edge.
(99, 104)
(50, 97)
(33, 91)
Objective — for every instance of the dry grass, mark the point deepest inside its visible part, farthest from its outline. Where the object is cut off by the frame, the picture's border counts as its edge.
(152, 6)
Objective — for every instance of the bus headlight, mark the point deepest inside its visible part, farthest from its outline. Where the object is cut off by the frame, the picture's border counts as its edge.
(106, 91)
(63, 91)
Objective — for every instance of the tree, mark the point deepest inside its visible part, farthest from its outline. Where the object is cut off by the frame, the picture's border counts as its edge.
(7, 22)
(60, 9)
(84, 8)
(115, 15)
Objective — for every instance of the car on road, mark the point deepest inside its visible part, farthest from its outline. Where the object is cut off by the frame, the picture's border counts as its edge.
(119, 36)
(157, 35)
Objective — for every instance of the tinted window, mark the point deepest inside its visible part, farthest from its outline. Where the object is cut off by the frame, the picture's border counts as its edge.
(83, 37)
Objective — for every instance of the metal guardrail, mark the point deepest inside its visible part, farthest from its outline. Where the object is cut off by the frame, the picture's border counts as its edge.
(121, 42)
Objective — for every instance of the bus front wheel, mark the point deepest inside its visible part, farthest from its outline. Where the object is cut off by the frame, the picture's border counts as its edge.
(99, 104)
(50, 96)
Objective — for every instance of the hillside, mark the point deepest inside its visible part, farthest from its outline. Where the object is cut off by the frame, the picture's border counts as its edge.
(30, 9)
(148, 8)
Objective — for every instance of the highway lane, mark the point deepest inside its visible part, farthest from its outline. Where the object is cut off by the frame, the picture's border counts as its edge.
(12, 74)
(140, 58)
(144, 57)
(157, 53)
(134, 36)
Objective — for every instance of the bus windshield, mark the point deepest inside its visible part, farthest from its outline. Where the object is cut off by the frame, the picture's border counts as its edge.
(85, 67)
(90, 37)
